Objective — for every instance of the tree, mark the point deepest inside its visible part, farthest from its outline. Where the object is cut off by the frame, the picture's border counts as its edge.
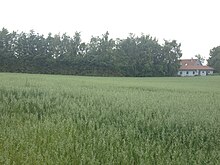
(172, 54)
(200, 58)
(214, 59)
(100, 57)
(149, 53)
(7, 55)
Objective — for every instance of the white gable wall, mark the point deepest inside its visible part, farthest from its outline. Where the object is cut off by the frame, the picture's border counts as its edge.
(210, 72)
(188, 73)
(194, 73)
(203, 73)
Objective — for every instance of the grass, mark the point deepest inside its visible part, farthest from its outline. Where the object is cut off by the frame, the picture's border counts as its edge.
(49, 119)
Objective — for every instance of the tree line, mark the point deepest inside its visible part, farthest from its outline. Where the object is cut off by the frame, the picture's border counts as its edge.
(214, 59)
(102, 56)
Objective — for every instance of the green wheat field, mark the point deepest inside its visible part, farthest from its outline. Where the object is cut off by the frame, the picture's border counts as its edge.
(54, 119)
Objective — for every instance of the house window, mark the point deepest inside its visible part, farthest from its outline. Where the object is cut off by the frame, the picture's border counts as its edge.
(193, 72)
(180, 72)
(187, 72)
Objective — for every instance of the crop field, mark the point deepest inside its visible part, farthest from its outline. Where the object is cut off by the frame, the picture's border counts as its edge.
(54, 119)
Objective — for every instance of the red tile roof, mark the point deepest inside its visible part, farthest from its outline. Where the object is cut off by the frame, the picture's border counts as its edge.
(193, 64)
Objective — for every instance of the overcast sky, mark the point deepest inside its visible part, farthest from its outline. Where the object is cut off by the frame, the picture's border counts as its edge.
(193, 23)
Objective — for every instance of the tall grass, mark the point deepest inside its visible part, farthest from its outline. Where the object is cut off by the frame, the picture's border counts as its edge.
(47, 119)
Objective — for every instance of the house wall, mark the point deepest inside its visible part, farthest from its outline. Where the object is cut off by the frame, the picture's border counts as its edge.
(203, 73)
(194, 73)
(210, 72)
(188, 73)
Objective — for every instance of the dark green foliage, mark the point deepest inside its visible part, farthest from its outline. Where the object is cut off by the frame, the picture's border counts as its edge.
(7, 47)
(214, 60)
(62, 54)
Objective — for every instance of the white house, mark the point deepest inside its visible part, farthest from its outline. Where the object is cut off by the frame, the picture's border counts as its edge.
(193, 67)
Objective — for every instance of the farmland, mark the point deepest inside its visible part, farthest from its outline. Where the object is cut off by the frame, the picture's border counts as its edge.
(54, 119)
